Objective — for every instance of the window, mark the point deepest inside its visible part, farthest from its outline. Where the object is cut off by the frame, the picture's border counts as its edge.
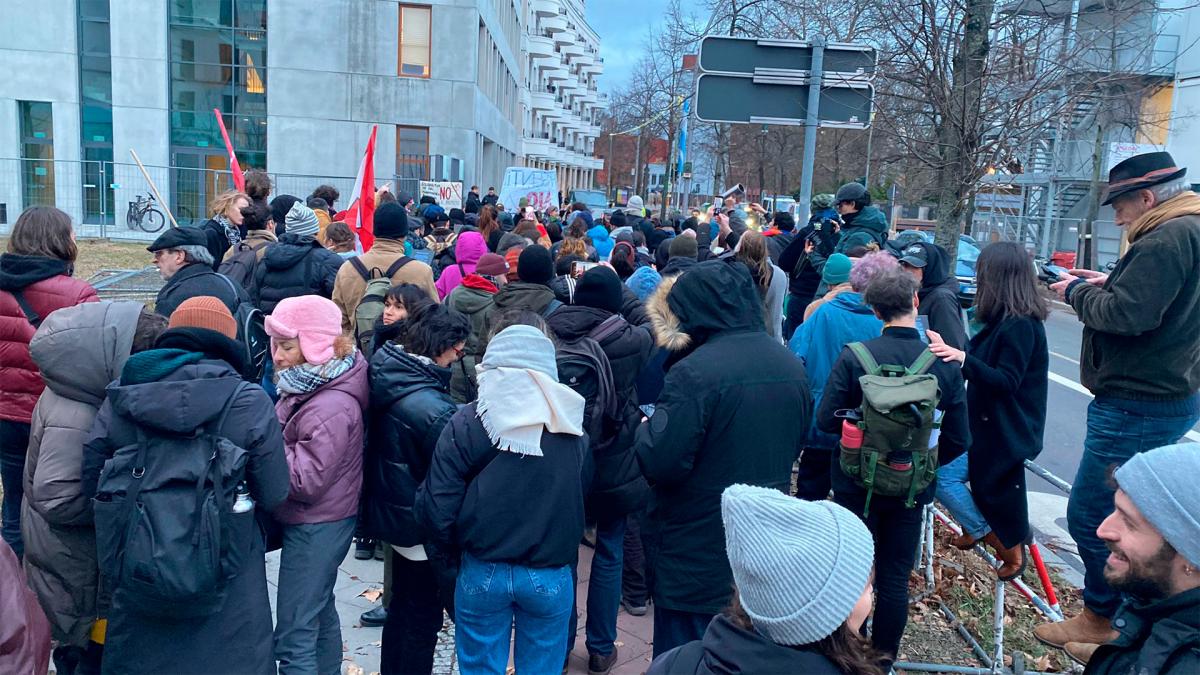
(413, 56)
(37, 153)
(95, 94)
(412, 152)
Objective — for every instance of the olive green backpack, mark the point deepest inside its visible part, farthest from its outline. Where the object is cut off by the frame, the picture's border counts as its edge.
(897, 419)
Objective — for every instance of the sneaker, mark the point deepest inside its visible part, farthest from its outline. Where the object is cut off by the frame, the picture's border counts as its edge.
(632, 609)
(374, 618)
(379, 551)
(364, 549)
(598, 664)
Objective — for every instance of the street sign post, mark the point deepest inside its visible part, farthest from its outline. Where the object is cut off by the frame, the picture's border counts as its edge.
(751, 81)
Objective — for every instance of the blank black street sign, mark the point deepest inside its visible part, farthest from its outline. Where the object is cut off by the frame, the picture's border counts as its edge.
(743, 55)
(734, 99)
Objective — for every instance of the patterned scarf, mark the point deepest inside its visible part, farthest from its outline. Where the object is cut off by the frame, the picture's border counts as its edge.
(309, 377)
(231, 231)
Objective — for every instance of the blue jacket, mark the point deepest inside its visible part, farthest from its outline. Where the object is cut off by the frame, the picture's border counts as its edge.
(819, 341)
(602, 241)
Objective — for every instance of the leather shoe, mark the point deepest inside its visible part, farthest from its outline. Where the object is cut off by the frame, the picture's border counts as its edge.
(598, 664)
(1087, 627)
(1012, 559)
(963, 542)
(634, 610)
(1080, 652)
(374, 618)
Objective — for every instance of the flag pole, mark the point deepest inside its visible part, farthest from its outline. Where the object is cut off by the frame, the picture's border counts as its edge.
(239, 180)
(153, 188)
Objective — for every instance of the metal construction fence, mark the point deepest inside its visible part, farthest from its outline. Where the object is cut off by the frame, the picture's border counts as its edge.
(99, 196)
(1044, 236)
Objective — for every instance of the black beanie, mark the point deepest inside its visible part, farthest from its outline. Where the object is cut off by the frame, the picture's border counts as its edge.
(391, 221)
(535, 266)
(683, 247)
(600, 288)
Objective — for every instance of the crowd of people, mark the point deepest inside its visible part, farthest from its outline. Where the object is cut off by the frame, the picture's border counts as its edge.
(744, 420)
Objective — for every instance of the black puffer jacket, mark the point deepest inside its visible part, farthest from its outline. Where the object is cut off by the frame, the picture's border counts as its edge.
(727, 649)
(633, 309)
(410, 405)
(291, 267)
(195, 280)
(618, 487)
(1161, 637)
(939, 297)
(716, 423)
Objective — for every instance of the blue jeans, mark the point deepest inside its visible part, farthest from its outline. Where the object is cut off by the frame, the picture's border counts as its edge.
(604, 589)
(490, 596)
(14, 440)
(953, 493)
(1117, 429)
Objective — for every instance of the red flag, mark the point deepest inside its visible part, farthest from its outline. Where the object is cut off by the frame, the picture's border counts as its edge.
(360, 215)
(239, 181)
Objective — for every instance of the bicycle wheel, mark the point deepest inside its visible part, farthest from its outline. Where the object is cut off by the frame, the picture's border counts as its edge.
(152, 220)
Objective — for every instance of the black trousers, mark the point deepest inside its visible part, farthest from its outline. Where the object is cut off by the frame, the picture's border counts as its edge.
(812, 476)
(795, 315)
(414, 618)
(634, 588)
(14, 441)
(896, 530)
(674, 628)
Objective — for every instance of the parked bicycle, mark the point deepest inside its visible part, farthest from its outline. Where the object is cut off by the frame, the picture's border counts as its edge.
(144, 214)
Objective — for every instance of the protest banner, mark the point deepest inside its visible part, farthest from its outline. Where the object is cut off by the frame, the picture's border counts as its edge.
(447, 193)
(539, 186)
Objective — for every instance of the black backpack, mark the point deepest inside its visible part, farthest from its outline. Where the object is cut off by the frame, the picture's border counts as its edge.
(370, 306)
(583, 366)
(166, 533)
(252, 334)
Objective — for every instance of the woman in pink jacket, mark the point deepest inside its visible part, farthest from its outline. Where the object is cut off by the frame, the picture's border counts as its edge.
(468, 249)
(322, 382)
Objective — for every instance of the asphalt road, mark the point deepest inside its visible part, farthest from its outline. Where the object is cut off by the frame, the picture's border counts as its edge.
(1066, 426)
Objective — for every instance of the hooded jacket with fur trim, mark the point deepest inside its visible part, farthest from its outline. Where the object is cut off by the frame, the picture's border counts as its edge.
(716, 423)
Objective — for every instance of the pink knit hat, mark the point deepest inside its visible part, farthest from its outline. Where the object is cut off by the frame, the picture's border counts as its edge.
(314, 320)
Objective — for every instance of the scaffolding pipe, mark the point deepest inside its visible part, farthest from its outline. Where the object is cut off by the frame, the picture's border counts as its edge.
(998, 628)
(1045, 475)
(1044, 577)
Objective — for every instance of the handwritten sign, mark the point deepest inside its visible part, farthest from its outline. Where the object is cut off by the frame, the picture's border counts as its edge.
(539, 186)
(447, 193)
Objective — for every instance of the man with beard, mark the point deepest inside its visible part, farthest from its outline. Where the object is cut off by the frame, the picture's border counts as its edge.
(1154, 541)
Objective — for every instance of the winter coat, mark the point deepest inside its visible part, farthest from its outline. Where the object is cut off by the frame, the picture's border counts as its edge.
(729, 649)
(501, 506)
(296, 265)
(323, 438)
(777, 243)
(820, 339)
(194, 280)
(1160, 637)
(517, 295)
(349, 286)
(939, 297)
(218, 242)
(255, 239)
(468, 249)
(868, 226)
(1006, 366)
(618, 487)
(79, 351)
(47, 286)
(1139, 329)
(162, 396)
(410, 405)
(803, 276)
(472, 299)
(713, 426)
(678, 265)
(602, 240)
(24, 633)
(777, 289)
(632, 308)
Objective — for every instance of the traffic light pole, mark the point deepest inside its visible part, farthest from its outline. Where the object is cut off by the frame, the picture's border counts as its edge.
(810, 130)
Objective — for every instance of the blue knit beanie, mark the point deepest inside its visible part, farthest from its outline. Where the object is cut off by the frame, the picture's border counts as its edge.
(800, 566)
(1161, 483)
(643, 281)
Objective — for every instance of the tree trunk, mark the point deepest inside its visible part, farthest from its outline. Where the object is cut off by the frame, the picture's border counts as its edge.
(1087, 228)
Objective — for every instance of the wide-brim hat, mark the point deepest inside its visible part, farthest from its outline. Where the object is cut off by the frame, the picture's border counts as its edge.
(1140, 172)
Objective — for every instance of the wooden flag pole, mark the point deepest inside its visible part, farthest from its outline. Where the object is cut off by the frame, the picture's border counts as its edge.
(153, 188)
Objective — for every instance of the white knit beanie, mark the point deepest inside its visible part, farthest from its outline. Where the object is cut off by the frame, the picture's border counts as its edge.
(800, 566)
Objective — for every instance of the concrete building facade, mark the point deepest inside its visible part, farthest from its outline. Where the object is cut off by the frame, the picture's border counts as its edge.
(299, 83)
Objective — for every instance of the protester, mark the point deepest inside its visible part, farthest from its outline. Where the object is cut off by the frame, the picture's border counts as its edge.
(1141, 358)
(618, 488)
(710, 430)
(387, 254)
(491, 198)
(191, 381)
(894, 521)
(602, 241)
(862, 223)
(531, 291)
(410, 405)
(296, 265)
(643, 281)
(223, 230)
(819, 341)
(279, 208)
(931, 266)
(258, 186)
(1152, 536)
(183, 262)
(330, 195)
(322, 383)
(401, 301)
(804, 260)
(35, 281)
(468, 249)
(321, 208)
(780, 235)
(473, 298)
(683, 251)
(768, 279)
(802, 572)
(78, 350)
(1006, 365)
(836, 277)
(339, 239)
(241, 261)
(24, 633)
(522, 438)
(472, 202)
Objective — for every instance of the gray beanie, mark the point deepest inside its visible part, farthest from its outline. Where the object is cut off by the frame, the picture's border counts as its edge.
(852, 192)
(301, 220)
(800, 566)
(1161, 483)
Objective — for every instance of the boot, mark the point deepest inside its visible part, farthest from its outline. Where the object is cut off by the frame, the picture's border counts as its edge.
(963, 542)
(1012, 559)
(1080, 651)
(1087, 627)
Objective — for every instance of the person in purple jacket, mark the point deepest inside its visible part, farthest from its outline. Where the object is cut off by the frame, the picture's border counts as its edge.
(322, 382)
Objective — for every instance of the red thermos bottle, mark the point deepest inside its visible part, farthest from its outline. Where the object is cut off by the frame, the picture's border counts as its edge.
(852, 436)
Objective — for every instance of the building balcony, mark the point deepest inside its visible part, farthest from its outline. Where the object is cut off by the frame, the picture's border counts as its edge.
(1131, 58)
(556, 73)
(554, 24)
(544, 7)
(541, 100)
(538, 45)
(573, 50)
(537, 147)
(564, 38)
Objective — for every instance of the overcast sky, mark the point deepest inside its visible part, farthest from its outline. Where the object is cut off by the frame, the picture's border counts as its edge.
(623, 26)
